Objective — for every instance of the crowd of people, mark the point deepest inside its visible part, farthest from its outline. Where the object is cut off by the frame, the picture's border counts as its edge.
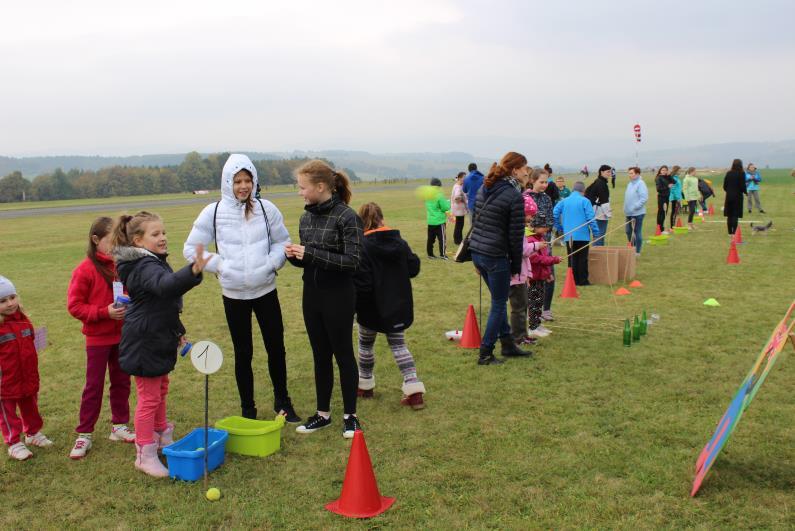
(355, 267)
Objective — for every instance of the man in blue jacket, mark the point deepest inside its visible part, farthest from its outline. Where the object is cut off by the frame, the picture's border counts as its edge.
(752, 180)
(472, 183)
(574, 216)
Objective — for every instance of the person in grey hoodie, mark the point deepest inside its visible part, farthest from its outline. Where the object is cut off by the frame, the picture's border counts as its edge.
(635, 198)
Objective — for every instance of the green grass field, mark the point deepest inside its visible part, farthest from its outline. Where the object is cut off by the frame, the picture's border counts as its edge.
(586, 434)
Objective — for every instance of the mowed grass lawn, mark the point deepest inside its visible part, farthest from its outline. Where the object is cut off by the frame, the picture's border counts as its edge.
(587, 433)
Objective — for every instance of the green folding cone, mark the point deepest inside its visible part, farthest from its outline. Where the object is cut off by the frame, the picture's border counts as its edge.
(711, 302)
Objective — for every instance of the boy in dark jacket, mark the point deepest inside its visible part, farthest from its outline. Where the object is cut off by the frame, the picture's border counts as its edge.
(384, 303)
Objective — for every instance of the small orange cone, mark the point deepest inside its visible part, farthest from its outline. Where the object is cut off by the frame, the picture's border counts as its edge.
(657, 231)
(733, 257)
(360, 497)
(679, 222)
(635, 284)
(711, 211)
(569, 288)
(623, 291)
(470, 338)
(738, 235)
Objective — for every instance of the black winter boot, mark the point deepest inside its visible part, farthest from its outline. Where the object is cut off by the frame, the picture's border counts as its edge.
(511, 349)
(487, 357)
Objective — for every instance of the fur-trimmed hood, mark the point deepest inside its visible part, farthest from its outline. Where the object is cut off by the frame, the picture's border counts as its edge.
(131, 254)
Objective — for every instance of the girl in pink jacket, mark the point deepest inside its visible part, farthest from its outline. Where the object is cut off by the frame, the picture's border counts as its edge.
(517, 294)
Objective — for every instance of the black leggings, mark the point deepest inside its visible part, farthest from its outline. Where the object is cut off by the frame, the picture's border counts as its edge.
(674, 212)
(458, 231)
(691, 210)
(269, 317)
(437, 232)
(328, 315)
(662, 207)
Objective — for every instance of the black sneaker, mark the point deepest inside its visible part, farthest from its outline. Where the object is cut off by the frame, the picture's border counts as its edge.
(286, 408)
(249, 413)
(761, 211)
(350, 425)
(489, 360)
(314, 423)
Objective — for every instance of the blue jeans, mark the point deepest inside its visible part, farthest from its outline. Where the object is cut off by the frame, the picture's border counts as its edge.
(496, 273)
(638, 231)
(602, 224)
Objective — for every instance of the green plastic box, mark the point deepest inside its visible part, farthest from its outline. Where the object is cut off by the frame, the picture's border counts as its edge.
(252, 437)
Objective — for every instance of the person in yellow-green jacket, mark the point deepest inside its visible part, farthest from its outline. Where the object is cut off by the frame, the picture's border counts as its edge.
(436, 210)
(691, 193)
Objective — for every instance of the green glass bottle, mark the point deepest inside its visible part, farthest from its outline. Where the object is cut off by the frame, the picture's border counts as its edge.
(627, 334)
(643, 323)
(636, 329)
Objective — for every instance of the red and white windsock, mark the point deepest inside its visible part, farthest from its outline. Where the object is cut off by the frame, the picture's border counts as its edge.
(637, 132)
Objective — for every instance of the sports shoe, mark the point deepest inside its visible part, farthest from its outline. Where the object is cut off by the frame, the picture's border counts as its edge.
(364, 393)
(666, 232)
(19, 451)
(444, 257)
(120, 432)
(546, 315)
(761, 211)
(81, 447)
(432, 257)
(510, 349)
(350, 425)
(529, 340)
(286, 408)
(415, 401)
(489, 360)
(314, 423)
(537, 332)
(544, 329)
(39, 439)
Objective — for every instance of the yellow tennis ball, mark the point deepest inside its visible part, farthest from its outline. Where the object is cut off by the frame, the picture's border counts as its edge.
(213, 494)
(427, 192)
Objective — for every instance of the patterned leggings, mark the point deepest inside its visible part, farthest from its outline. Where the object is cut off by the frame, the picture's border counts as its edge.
(397, 344)
(535, 303)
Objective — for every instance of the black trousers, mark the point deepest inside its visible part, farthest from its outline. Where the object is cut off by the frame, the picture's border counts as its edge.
(579, 261)
(269, 317)
(437, 232)
(674, 212)
(328, 315)
(662, 208)
(458, 232)
(731, 224)
(691, 210)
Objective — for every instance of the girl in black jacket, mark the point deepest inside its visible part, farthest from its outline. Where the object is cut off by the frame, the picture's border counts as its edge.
(330, 251)
(384, 303)
(152, 331)
(663, 183)
(734, 186)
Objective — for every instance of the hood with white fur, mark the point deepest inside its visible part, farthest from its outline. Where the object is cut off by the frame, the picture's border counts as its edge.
(234, 164)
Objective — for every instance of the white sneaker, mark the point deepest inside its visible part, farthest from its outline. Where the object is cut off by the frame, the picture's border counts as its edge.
(666, 232)
(537, 332)
(546, 315)
(544, 329)
(81, 447)
(19, 451)
(39, 439)
(120, 432)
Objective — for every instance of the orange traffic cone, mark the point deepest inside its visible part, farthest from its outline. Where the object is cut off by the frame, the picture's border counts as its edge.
(657, 231)
(679, 222)
(623, 291)
(733, 257)
(471, 336)
(360, 497)
(738, 235)
(635, 284)
(569, 288)
(711, 211)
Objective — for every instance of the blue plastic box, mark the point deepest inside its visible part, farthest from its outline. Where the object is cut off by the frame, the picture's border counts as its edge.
(185, 462)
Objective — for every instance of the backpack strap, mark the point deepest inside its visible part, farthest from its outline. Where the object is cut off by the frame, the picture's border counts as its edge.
(267, 225)
(215, 236)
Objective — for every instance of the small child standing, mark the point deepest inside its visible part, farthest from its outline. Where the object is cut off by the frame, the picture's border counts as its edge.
(152, 331)
(517, 293)
(384, 303)
(436, 210)
(90, 299)
(19, 377)
(540, 275)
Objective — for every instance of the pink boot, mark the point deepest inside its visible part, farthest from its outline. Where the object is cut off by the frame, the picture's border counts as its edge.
(147, 462)
(166, 436)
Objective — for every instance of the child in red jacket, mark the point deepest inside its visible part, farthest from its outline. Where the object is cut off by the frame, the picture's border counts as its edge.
(91, 300)
(540, 273)
(19, 377)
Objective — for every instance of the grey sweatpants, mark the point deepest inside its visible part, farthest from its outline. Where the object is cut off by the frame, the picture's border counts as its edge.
(517, 296)
(754, 194)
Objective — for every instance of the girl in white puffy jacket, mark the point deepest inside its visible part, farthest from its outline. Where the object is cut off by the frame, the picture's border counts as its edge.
(250, 238)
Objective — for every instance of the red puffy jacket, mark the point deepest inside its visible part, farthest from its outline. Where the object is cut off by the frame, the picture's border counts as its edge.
(87, 300)
(19, 363)
(542, 261)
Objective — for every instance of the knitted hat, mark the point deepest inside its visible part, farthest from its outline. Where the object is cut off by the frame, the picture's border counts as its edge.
(436, 182)
(530, 207)
(6, 287)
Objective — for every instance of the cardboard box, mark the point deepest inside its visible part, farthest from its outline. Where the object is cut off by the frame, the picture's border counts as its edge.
(603, 265)
(626, 263)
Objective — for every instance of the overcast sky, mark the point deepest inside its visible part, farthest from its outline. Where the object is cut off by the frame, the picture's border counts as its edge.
(99, 77)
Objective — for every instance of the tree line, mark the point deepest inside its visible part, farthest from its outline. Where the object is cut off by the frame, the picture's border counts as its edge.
(193, 173)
